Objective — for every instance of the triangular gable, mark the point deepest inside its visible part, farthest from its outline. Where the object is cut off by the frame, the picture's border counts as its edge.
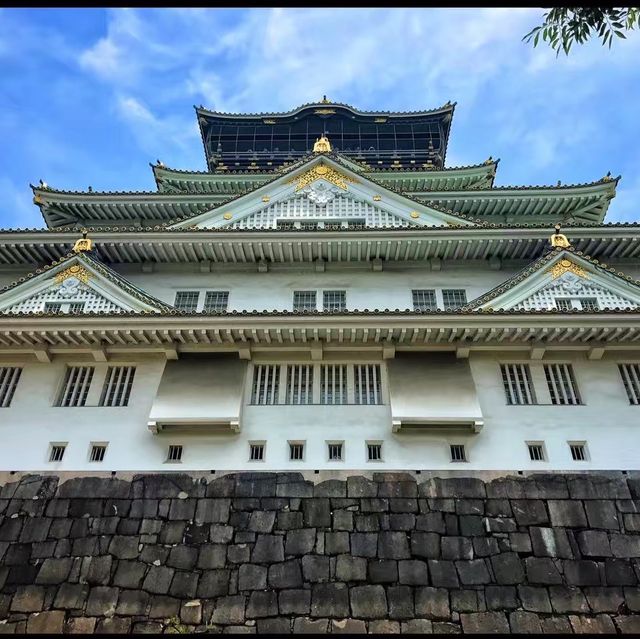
(563, 274)
(320, 180)
(78, 283)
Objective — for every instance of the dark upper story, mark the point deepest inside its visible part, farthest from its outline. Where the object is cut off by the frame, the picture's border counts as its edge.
(379, 139)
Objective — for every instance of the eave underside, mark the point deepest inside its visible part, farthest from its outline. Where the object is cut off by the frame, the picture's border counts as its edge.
(309, 247)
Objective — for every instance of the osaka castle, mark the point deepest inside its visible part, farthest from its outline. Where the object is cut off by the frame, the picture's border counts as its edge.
(328, 294)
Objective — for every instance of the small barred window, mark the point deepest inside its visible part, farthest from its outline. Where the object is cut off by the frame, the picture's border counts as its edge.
(97, 452)
(458, 453)
(304, 300)
(296, 451)
(256, 452)
(75, 387)
(187, 301)
(536, 451)
(117, 386)
(578, 451)
(335, 451)
(374, 451)
(174, 453)
(562, 384)
(57, 452)
(216, 301)
(9, 377)
(334, 300)
(630, 374)
(424, 300)
(454, 297)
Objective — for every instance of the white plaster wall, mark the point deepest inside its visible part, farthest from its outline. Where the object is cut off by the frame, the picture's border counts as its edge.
(609, 425)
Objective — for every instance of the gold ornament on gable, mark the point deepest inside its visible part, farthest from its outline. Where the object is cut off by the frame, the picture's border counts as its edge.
(77, 271)
(567, 266)
(324, 172)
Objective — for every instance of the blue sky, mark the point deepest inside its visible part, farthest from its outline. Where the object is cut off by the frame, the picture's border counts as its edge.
(91, 96)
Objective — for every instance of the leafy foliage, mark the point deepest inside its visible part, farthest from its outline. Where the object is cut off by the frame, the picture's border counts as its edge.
(564, 26)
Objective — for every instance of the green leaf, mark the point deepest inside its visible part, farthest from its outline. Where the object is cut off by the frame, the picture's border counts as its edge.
(620, 35)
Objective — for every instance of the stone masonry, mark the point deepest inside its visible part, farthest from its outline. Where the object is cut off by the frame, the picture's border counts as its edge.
(275, 553)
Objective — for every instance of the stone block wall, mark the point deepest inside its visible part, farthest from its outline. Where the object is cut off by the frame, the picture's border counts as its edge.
(278, 553)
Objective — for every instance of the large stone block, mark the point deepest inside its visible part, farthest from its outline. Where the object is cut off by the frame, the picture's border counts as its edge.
(368, 602)
(211, 511)
(164, 607)
(443, 573)
(294, 602)
(625, 546)
(129, 574)
(96, 570)
(184, 584)
(360, 487)
(602, 514)
(431, 522)
(581, 572)
(618, 572)
(484, 622)
(413, 572)
(594, 543)
(262, 604)
(542, 570)
(501, 597)
(456, 548)
(54, 571)
(285, 575)
(535, 599)
(132, 602)
(96, 487)
(473, 572)
(252, 577)
(529, 512)
(317, 513)
(507, 568)
(315, 569)
(300, 541)
(393, 545)
(229, 610)
(330, 600)
(28, 599)
(550, 542)
(400, 601)
(364, 544)
(102, 601)
(600, 624)
(350, 568)
(604, 599)
(330, 488)
(523, 622)
(566, 512)
(565, 599)
(425, 544)
(49, 623)
(336, 543)
(158, 580)
(456, 487)
(383, 571)
(598, 487)
(432, 603)
(268, 549)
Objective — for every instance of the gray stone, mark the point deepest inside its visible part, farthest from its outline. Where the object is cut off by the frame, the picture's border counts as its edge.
(102, 601)
(164, 607)
(402, 521)
(520, 542)
(456, 548)
(303, 625)
(350, 568)
(315, 568)
(54, 571)
(400, 600)
(268, 549)
(288, 520)
(158, 580)
(97, 487)
(484, 622)
(294, 602)
(534, 599)
(566, 512)
(50, 622)
(542, 570)
(132, 602)
(471, 525)
(598, 487)
(383, 571)
(330, 600)
(485, 546)
(473, 572)
(300, 542)
(336, 543)
(184, 557)
(581, 573)
(213, 583)
(262, 604)
(273, 626)
(368, 602)
(628, 624)
(529, 512)
(330, 488)
(594, 543)
(252, 577)
(184, 584)
(555, 625)
(566, 599)
(550, 542)
(432, 603)
(262, 520)
(417, 627)
(465, 601)
(602, 514)
(172, 532)
(413, 572)
(348, 626)
(469, 506)
(343, 520)
(229, 610)
(285, 575)
(364, 544)
(96, 570)
(28, 599)
(507, 568)
(600, 624)
(374, 505)
(211, 556)
(431, 522)
(425, 544)
(71, 596)
(522, 622)
(361, 488)
(129, 574)
(393, 545)
(501, 597)
(241, 553)
(316, 513)
(618, 572)
(222, 534)
(604, 599)
(625, 546)
(383, 627)
(456, 487)
(35, 529)
(443, 573)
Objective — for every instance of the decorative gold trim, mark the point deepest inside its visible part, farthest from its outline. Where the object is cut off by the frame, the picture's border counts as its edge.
(84, 244)
(77, 271)
(564, 266)
(322, 145)
(324, 172)
(227, 216)
(558, 239)
(415, 215)
(268, 121)
(377, 198)
(380, 120)
(37, 199)
(265, 198)
(324, 112)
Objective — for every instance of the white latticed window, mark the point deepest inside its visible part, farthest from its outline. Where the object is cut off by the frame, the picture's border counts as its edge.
(216, 301)
(304, 300)
(578, 451)
(562, 384)
(75, 387)
(97, 452)
(9, 377)
(64, 307)
(299, 384)
(458, 453)
(174, 454)
(117, 386)
(630, 378)
(187, 301)
(57, 452)
(256, 451)
(52, 307)
(374, 451)
(518, 386)
(333, 384)
(563, 304)
(266, 379)
(368, 389)
(334, 300)
(454, 297)
(335, 451)
(296, 451)
(589, 304)
(536, 451)
(424, 300)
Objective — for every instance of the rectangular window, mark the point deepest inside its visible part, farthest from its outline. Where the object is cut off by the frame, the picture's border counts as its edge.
(333, 384)
(52, 307)
(368, 387)
(562, 384)
(76, 385)
(97, 452)
(564, 304)
(536, 451)
(589, 304)
(57, 452)
(187, 301)
(256, 451)
(299, 384)
(424, 300)
(304, 300)
(630, 378)
(518, 386)
(296, 451)
(458, 453)
(9, 377)
(266, 383)
(578, 451)
(454, 297)
(76, 307)
(334, 300)
(374, 451)
(335, 451)
(174, 454)
(216, 301)
(117, 386)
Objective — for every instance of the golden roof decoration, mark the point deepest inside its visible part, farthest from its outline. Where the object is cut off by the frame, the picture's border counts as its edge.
(83, 244)
(77, 271)
(558, 240)
(322, 145)
(567, 266)
(322, 172)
